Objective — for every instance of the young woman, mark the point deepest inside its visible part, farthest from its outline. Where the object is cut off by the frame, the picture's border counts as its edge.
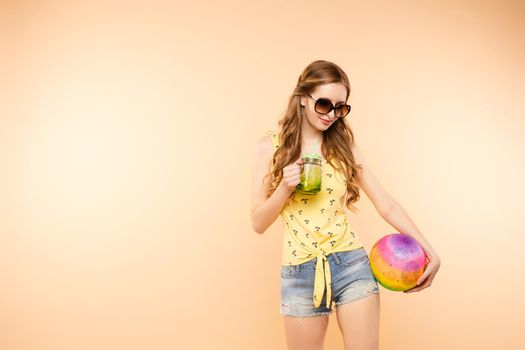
(323, 259)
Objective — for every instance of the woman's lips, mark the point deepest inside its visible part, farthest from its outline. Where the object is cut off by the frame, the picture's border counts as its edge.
(325, 122)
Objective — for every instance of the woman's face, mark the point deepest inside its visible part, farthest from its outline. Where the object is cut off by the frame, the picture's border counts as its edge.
(335, 92)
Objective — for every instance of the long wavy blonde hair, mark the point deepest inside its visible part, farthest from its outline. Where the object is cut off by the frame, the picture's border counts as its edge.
(337, 139)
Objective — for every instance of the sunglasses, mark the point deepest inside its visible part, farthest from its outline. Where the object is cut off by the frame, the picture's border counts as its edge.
(325, 106)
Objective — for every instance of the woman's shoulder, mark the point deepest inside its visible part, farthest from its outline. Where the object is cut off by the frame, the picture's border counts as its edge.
(265, 144)
(271, 137)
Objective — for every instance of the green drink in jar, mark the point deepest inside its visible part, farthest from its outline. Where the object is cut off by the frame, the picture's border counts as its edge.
(311, 173)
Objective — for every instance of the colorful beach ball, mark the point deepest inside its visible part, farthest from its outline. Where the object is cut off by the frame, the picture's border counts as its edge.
(397, 261)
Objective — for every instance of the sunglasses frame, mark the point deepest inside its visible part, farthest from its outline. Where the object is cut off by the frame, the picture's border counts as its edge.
(332, 108)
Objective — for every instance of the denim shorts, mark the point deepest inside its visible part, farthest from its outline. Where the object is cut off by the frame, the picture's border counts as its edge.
(352, 279)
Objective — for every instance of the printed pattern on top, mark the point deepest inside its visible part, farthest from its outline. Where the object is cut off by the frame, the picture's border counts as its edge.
(316, 224)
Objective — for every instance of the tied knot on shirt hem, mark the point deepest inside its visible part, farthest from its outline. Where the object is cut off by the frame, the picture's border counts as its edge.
(323, 280)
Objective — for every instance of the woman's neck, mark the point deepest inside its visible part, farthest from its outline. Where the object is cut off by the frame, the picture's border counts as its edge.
(309, 135)
(309, 140)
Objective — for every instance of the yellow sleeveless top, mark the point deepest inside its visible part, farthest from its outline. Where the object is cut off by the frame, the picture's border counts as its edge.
(316, 225)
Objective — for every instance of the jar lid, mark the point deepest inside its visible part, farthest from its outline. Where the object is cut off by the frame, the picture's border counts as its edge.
(312, 155)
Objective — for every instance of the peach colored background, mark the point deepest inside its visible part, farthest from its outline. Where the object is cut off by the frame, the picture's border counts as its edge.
(126, 143)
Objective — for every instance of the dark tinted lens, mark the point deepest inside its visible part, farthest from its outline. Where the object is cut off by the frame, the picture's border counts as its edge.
(341, 111)
(323, 106)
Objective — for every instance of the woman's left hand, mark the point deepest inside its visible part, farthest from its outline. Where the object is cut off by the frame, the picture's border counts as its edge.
(425, 280)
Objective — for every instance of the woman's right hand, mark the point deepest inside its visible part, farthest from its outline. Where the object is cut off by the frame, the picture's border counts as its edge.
(292, 175)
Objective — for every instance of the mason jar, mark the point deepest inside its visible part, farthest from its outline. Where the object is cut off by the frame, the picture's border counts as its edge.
(310, 175)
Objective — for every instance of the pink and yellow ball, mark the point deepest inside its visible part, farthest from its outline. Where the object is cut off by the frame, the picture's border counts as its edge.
(397, 261)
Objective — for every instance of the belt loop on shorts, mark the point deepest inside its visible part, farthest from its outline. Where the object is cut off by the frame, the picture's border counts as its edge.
(337, 258)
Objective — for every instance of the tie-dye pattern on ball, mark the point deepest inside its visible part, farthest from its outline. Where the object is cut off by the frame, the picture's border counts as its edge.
(397, 261)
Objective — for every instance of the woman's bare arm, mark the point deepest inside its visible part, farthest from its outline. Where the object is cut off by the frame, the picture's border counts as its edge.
(389, 208)
(380, 198)
(265, 210)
